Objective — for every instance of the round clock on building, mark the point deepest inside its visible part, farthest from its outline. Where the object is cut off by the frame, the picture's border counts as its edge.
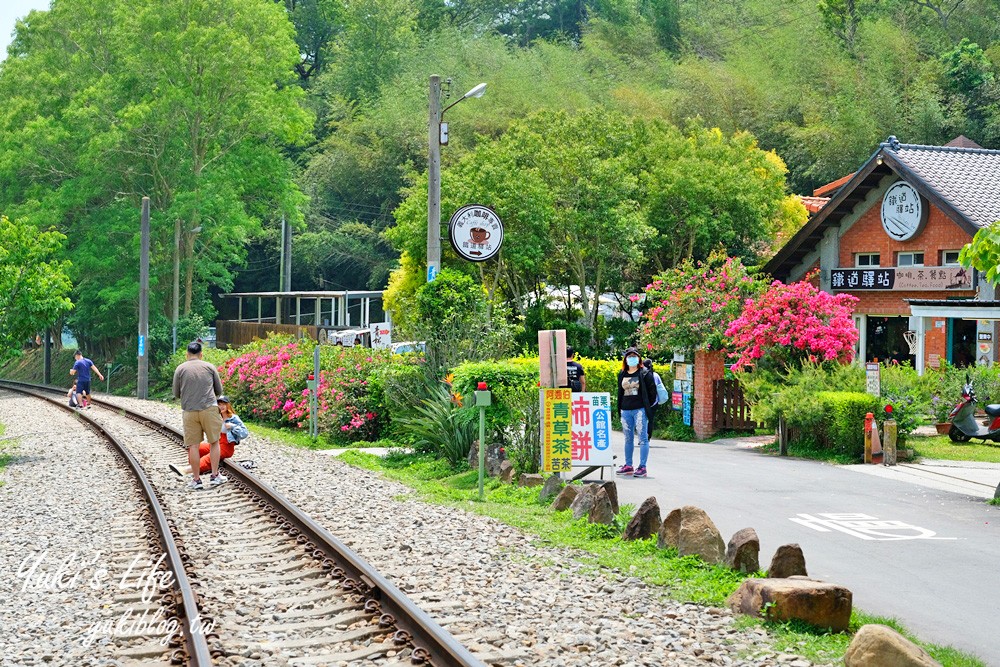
(904, 212)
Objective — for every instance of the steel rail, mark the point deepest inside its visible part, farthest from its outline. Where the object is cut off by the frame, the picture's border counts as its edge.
(431, 644)
(196, 652)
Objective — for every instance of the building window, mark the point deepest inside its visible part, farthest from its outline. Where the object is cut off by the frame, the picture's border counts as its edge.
(866, 259)
(910, 259)
(949, 258)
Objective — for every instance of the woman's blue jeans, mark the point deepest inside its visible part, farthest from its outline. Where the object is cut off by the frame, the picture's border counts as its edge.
(634, 422)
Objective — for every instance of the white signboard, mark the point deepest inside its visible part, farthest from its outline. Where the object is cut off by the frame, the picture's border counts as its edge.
(591, 428)
(903, 211)
(873, 379)
(381, 335)
(476, 233)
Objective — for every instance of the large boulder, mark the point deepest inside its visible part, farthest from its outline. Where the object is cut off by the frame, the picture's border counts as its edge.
(698, 536)
(506, 471)
(566, 497)
(645, 522)
(601, 510)
(743, 551)
(494, 458)
(881, 646)
(550, 488)
(666, 536)
(530, 480)
(788, 561)
(612, 490)
(584, 501)
(815, 602)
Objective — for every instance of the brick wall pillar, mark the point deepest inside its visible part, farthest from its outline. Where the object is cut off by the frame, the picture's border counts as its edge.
(709, 366)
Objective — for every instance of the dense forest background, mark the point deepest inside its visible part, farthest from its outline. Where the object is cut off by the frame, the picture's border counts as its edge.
(234, 113)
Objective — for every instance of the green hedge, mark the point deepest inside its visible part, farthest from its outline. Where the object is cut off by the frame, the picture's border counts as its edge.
(842, 422)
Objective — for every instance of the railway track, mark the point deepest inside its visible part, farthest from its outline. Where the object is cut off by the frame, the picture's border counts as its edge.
(254, 579)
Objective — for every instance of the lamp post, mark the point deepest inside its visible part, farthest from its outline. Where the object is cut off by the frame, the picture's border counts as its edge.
(437, 134)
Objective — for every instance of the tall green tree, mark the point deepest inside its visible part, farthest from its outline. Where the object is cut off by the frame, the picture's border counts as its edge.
(189, 103)
(34, 285)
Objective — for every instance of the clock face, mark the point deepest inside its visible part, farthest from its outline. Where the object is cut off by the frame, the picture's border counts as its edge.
(903, 211)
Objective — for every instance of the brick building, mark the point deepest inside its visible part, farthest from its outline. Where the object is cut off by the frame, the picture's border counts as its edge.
(890, 235)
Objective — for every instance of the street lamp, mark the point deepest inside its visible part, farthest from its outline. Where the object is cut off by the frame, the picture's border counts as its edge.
(437, 135)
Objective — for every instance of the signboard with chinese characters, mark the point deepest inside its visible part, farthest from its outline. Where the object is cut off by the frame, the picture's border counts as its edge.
(873, 379)
(687, 400)
(476, 233)
(591, 413)
(557, 430)
(903, 211)
(902, 278)
(381, 335)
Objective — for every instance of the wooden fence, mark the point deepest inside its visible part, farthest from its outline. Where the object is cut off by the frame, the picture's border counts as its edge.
(732, 412)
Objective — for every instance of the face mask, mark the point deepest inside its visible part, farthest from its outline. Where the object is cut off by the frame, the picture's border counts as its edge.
(632, 361)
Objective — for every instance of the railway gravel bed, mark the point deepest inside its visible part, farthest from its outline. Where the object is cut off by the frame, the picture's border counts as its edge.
(73, 550)
(507, 599)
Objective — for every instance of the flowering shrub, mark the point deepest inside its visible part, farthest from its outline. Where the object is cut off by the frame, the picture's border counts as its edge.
(267, 382)
(789, 324)
(689, 307)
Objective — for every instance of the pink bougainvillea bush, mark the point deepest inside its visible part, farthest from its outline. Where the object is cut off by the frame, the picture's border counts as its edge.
(689, 307)
(791, 324)
(267, 382)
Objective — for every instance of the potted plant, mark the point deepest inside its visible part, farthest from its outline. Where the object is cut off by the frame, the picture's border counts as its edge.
(942, 410)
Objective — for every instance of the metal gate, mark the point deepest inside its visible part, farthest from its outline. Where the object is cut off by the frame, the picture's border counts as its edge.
(731, 410)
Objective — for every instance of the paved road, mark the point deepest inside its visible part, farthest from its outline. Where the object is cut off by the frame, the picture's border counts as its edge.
(944, 586)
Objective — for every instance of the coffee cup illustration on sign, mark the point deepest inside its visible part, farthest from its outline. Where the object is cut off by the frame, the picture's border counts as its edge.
(479, 235)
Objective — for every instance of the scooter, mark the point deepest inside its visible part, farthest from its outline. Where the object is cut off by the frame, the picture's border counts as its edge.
(963, 422)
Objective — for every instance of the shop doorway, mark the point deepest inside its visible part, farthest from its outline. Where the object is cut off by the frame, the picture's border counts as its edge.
(961, 342)
(884, 339)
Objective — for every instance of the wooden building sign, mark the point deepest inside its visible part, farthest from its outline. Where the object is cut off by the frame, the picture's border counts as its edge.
(903, 279)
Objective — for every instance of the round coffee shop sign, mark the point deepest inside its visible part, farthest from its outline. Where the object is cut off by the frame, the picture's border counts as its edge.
(476, 233)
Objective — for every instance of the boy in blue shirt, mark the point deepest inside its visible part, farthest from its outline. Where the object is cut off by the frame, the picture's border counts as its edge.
(81, 369)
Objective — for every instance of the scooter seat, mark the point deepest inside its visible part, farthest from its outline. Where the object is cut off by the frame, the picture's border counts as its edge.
(993, 410)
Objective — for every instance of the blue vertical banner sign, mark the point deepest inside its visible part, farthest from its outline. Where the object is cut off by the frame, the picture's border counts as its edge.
(687, 409)
(142, 346)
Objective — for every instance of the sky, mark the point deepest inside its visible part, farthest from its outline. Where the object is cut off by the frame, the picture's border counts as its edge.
(10, 11)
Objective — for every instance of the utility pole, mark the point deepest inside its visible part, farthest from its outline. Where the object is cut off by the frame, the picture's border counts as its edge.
(177, 278)
(434, 181)
(142, 390)
(47, 358)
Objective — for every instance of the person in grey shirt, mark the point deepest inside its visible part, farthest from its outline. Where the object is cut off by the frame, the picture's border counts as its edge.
(197, 384)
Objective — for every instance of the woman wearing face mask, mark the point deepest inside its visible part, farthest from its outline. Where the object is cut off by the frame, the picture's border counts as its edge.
(636, 395)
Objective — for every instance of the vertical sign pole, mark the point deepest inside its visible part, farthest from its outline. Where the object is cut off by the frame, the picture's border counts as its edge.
(434, 180)
(142, 390)
(313, 417)
(890, 443)
(482, 448)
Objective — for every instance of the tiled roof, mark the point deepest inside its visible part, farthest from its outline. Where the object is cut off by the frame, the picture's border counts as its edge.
(832, 186)
(814, 204)
(966, 178)
(962, 141)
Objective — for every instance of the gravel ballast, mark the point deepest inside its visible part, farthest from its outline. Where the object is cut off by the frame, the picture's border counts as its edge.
(517, 602)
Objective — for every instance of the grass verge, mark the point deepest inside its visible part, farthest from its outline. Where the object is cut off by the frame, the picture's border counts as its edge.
(687, 579)
(301, 438)
(941, 447)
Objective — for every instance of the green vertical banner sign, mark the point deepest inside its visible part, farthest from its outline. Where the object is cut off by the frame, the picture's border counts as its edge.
(557, 430)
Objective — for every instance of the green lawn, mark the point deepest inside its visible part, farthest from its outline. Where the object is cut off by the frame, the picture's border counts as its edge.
(941, 447)
(686, 579)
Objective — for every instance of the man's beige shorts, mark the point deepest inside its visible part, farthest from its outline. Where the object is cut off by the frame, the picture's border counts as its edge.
(197, 422)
